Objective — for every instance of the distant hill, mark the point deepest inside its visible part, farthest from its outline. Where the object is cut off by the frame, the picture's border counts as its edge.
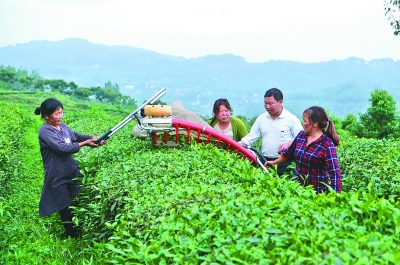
(341, 86)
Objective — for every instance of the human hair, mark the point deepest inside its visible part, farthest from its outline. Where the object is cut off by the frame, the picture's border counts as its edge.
(274, 92)
(318, 115)
(48, 107)
(219, 102)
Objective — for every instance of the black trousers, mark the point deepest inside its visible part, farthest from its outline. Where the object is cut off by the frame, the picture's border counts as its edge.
(281, 167)
(66, 216)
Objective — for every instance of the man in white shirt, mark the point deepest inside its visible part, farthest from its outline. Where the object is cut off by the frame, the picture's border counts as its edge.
(277, 126)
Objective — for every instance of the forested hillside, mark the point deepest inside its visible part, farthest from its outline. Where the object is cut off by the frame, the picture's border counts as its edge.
(341, 86)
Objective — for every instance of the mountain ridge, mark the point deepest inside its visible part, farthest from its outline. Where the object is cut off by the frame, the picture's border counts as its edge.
(198, 82)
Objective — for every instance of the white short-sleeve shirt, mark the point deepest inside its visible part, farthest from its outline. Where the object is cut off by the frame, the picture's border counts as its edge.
(273, 132)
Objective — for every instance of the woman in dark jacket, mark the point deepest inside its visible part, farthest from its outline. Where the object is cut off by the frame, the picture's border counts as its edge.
(57, 144)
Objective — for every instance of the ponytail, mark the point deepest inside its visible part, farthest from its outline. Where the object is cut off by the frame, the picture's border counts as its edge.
(318, 114)
(331, 132)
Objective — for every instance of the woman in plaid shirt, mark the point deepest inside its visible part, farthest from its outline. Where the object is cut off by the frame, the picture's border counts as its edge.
(314, 152)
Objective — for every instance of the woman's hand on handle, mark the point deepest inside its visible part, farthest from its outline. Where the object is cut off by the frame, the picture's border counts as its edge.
(94, 139)
(91, 142)
(273, 162)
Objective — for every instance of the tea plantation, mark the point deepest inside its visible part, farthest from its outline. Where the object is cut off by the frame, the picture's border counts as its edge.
(195, 204)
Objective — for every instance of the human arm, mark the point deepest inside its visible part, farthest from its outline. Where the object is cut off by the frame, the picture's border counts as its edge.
(64, 141)
(333, 168)
(253, 135)
(295, 129)
(277, 161)
(91, 142)
(83, 139)
(284, 146)
(49, 137)
(287, 154)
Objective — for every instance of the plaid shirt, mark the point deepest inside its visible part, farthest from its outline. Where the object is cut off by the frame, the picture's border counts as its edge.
(316, 163)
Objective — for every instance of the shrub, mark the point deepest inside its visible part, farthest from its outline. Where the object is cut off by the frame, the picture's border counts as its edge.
(365, 161)
(14, 124)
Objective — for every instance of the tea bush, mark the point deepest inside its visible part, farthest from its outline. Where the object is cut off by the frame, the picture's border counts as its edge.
(365, 161)
(195, 204)
(14, 125)
(201, 204)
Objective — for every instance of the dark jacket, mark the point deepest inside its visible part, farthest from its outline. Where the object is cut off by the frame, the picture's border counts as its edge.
(60, 169)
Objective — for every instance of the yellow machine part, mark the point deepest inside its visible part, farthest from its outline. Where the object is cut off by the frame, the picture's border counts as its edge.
(157, 110)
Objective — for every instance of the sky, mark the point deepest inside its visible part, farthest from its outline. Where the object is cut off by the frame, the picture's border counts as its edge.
(257, 30)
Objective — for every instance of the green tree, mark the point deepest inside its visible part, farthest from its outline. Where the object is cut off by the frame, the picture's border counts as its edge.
(253, 120)
(41, 85)
(56, 85)
(381, 119)
(111, 95)
(83, 93)
(98, 93)
(128, 102)
(392, 12)
(8, 76)
(20, 79)
(245, 121)
(351, 124)
(109, 86)
(3, 86)
(62, 86)
(26, 82)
